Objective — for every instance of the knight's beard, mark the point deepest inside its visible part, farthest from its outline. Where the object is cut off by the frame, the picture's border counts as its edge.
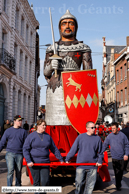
(70, 35)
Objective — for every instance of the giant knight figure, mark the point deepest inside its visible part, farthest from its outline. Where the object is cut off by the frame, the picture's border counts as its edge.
(73, 54)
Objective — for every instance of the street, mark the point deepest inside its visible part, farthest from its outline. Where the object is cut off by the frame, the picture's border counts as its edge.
(67, 182)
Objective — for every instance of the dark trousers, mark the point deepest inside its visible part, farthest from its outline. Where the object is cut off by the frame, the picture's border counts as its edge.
(118, 166)
(127, 165)
(40, 175)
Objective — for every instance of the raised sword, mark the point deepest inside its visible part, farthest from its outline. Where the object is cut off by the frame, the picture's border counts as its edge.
(55, 56)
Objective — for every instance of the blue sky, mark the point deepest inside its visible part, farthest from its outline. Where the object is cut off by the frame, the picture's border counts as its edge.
(96, 18)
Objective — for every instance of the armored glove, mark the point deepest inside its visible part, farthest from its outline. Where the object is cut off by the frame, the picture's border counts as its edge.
(54, 63)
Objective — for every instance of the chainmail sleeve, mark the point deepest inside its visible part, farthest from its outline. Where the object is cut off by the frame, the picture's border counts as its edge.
(47, 66)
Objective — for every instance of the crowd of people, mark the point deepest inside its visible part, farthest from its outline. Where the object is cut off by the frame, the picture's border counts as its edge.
(104, 129)
(35, 146)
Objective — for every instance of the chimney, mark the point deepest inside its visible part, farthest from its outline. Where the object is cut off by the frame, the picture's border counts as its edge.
(31, 6)
(127, 42)
(112, 54)
(104, 51)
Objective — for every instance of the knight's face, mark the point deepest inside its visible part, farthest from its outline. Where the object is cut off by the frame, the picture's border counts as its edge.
(67, 28)
(67, 25)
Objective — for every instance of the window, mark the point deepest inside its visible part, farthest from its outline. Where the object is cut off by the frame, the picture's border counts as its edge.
(15, 55)
(125, 67)
(30, 73)
(20, 64)
(121, 97)
(19, 102)
(28, 108)
(27, 31)
(22, 26)
(111, 95)
(125, 95)
(109, 98)
(5, 5)
(31, 40)
(24, 106)
(13, 103)
(17, 19)
(25, 69)
(1, 91)
(121, 73)
(109, 77)
(117, 99)
(113, 91)
(117, 76)
(4, 36)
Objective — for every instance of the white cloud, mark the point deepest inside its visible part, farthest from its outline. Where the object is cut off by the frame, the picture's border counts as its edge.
(99, 42)
(110, 42)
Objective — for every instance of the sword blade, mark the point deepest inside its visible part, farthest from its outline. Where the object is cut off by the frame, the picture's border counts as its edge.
(53, 39)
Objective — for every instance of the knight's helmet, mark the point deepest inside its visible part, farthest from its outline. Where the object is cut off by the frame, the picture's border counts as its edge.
(68, 15)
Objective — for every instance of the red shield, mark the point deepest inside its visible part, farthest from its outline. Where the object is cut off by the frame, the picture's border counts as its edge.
(81, 97)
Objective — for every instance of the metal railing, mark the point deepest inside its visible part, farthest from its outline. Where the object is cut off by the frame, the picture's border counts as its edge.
(7, 59)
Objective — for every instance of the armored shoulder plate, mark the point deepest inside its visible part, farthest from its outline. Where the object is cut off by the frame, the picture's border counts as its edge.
(73, 47)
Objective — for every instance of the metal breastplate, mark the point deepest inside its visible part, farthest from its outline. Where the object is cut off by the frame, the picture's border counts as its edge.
(67, 52)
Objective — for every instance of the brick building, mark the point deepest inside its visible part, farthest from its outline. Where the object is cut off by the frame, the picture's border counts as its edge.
(122, 81)
(111, 55)
(19, 61)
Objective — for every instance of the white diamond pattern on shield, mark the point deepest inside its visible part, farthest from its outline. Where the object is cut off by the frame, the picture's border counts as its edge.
(89, 100)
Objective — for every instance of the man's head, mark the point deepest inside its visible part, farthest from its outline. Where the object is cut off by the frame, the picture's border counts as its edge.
(97, 125)
(17, 121)
(104, 123)
(68, 26)
(11, 123)
(127, 124)
(7, 122)
(90, 126)
(114, 127)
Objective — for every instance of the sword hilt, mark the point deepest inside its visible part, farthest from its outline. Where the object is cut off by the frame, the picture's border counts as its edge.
(57, 58)
(55, 72)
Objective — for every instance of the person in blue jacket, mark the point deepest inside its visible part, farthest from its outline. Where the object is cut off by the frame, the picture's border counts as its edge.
(119, 147)
(14, 137)
(36, 150)
(88, 145)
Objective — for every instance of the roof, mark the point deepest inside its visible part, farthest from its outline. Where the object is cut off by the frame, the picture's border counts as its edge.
(117, 49)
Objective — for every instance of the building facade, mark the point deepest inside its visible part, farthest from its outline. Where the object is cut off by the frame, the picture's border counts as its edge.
(19, 65)
(100, 110)
(115, 81)
(122, 79)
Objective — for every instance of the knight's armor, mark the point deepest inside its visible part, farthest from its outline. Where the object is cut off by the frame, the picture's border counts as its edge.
(73, 54)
